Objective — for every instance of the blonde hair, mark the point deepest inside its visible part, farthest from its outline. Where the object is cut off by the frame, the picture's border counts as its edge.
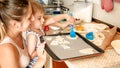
(36, 6)
(2, 31)
(11, 10)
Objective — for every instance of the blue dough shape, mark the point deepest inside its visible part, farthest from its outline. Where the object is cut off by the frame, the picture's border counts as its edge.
(72, 32)
(89, 36)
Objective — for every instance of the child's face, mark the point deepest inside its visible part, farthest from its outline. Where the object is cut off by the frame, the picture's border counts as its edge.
(38, 20)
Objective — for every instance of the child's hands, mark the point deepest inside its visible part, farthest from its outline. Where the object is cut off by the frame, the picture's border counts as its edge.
(41, 53)
(70, 19)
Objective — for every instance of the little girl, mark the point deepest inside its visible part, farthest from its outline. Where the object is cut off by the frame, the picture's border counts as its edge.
(36, 29)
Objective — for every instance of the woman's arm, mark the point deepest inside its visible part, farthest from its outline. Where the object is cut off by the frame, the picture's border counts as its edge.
(61, 24)
(57, 18)
(41, 56)
(9, 56)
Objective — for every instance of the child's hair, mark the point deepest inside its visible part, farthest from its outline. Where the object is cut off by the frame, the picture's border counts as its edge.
(36, 6)
(11, 10)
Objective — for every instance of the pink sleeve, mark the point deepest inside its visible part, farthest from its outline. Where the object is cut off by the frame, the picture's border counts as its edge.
(117, 1)
(102, 4)
(107, 5)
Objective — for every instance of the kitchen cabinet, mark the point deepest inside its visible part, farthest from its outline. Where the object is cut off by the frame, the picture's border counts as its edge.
(59, 64)
(54, 64)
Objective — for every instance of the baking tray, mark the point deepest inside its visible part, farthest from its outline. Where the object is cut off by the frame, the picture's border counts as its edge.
(75, 49)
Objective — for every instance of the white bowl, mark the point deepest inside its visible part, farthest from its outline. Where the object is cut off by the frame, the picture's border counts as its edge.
(54, 27)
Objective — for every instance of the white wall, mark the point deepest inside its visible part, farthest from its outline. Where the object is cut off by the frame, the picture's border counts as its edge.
(112, 17)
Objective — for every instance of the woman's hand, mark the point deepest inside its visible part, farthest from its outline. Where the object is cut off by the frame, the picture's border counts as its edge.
(70, 19)
(41, 54)
(41, 51)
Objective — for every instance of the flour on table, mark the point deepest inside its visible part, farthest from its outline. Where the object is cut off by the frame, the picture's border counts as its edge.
(116, 45)
(98, 38)
(87, 51)
(68, 36)
(65, 46)
(60, 41)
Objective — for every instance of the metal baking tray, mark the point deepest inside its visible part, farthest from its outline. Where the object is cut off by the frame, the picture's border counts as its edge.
(75, 49)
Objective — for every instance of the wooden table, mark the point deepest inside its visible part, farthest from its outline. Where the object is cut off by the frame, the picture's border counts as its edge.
(108, 59)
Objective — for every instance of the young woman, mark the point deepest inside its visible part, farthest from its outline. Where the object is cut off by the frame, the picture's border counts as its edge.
(15, 18)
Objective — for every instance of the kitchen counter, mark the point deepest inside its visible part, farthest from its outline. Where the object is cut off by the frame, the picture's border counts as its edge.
(109, 59)
(106, 60)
